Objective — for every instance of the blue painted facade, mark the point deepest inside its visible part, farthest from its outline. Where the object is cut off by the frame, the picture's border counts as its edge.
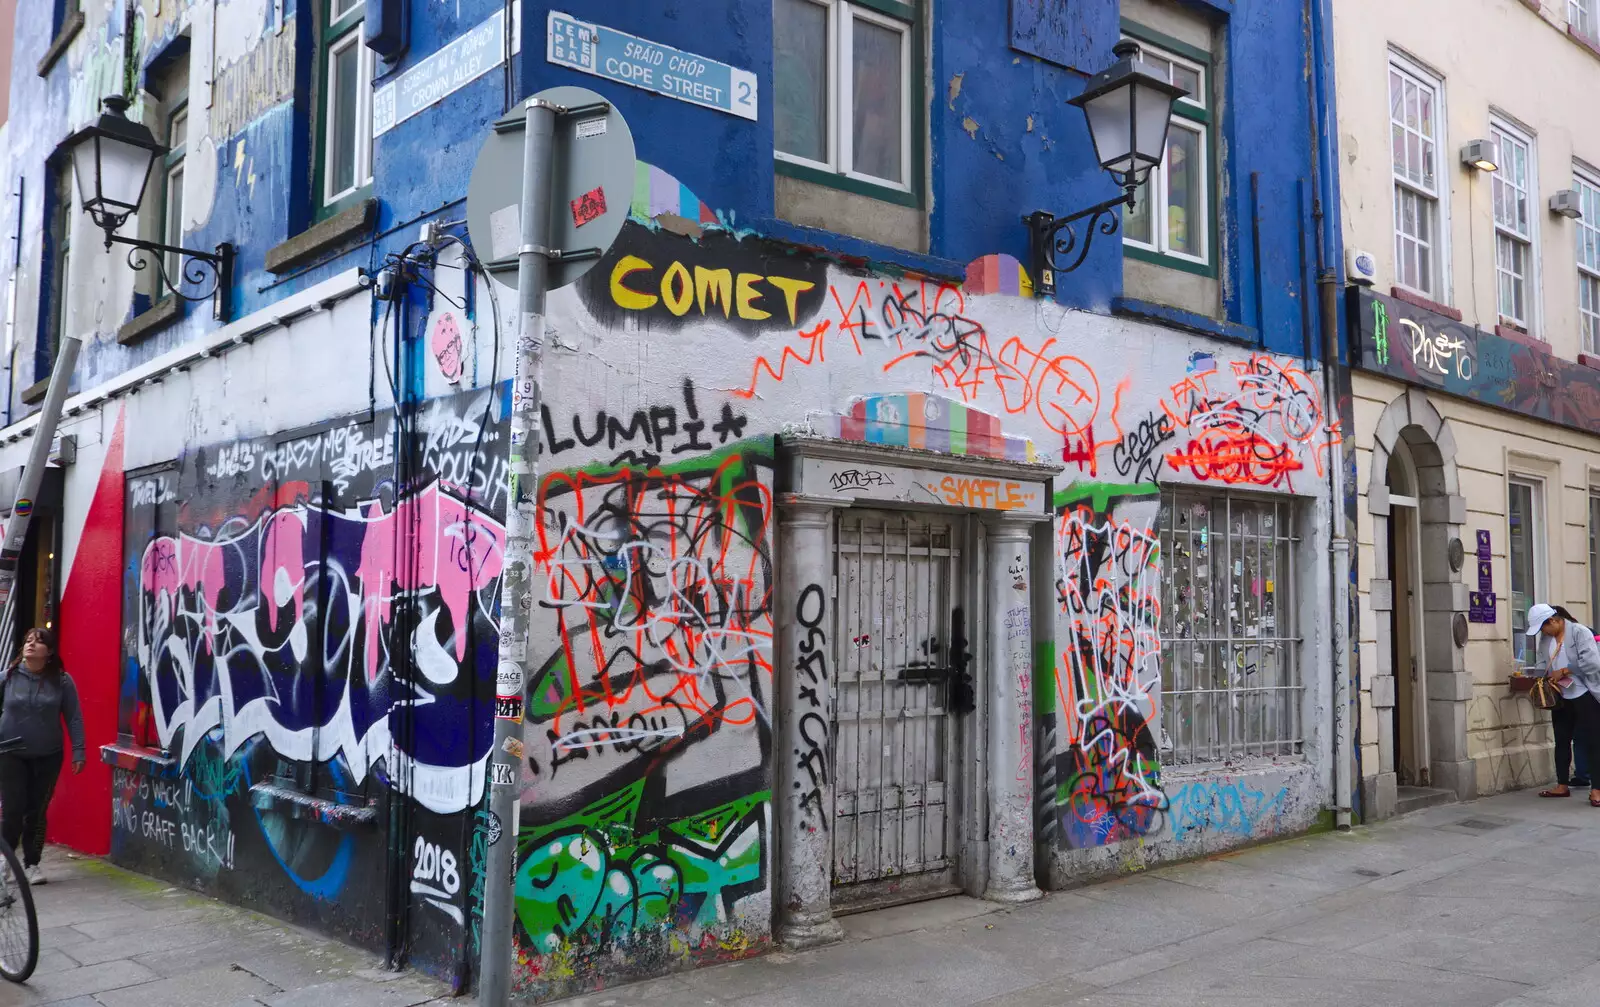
(189, 422)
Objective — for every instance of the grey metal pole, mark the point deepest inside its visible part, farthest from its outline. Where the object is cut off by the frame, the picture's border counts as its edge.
(32, 475)
(516, 583)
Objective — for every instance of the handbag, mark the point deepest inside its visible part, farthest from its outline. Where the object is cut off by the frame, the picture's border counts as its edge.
(1544, 694)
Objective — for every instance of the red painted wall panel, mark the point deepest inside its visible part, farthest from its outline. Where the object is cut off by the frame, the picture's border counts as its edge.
(91, 648)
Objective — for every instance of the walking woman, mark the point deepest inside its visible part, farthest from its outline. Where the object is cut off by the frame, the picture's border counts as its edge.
(36, 695)
(1569, 655)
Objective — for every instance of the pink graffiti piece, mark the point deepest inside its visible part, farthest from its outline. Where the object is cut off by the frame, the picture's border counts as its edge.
(463, 554)
(446, 344)
(283, 566)
(459, 551)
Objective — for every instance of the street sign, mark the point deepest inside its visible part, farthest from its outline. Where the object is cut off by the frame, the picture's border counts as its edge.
(592, 173)
(458, 63)
(629, 59)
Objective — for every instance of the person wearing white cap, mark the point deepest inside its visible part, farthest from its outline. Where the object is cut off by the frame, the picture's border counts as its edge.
(1569, 655)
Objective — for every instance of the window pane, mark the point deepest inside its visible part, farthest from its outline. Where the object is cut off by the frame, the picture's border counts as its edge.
(1189, 80)
(1185, 192)
(878, 83)
(1594, 554)
(1137, 220)
(178, 129)
(1589, 314)
(339, 8)
(172, 226)
(800, 72)
(343, 76)
(1521, 519)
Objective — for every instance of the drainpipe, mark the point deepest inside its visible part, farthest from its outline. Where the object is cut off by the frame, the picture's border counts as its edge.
(1325, 210)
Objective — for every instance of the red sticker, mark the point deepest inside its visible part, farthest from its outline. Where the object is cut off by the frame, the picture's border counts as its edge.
(588, 206)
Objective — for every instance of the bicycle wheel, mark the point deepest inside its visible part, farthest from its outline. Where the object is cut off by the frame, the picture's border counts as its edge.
(19, 924)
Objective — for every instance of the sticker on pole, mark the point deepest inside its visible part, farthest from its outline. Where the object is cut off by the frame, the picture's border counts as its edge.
(508, 708)
(24, 507)
(492, 827)
(502, 774)
(508, 679)
(588, 206)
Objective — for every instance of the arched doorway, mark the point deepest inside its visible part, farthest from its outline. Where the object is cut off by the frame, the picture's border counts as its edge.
(1420, 687)
(1407, 642)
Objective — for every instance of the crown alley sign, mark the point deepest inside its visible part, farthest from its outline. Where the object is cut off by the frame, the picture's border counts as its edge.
(628, 59)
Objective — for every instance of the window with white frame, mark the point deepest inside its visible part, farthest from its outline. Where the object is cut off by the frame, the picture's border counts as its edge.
(172, 182)
(842, 76)
(1514, 193)
(1525, 554)
(1594, 553)
(1585, 21)
(345, 136)
(1230, 672)
(1172, 215)
(1416, 117)
(1588, 187)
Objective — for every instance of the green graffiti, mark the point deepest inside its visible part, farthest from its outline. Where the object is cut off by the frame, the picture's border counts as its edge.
(1380, 331)
(593, 876)
(1100, 495)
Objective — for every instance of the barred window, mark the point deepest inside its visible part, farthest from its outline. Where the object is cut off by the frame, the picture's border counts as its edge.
(1230, 671)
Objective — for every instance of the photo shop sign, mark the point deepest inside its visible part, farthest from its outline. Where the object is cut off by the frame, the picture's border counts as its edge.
(1421, 347)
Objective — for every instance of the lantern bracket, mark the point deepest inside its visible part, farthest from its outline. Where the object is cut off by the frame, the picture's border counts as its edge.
(1051, 249)
(210, 272)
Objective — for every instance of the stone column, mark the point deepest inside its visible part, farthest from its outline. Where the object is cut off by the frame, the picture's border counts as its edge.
(1010, 701)
(804, 700)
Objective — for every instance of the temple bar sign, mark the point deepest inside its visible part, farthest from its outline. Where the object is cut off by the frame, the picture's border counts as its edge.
(628, 59)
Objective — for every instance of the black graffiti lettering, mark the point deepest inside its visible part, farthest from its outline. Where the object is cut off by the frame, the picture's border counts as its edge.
(556, 444)
(694, 424)
(859, 479)
(650, 433)
(811, 755)
(1138, 451)
(731, 426)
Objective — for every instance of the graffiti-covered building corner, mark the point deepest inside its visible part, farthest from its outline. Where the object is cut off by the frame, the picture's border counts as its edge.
(863, 572)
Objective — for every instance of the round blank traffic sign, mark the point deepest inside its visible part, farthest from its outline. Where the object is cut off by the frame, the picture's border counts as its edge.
(591, 176)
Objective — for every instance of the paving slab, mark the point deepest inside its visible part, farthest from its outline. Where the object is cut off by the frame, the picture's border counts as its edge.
(1452, 906)
(109, 938)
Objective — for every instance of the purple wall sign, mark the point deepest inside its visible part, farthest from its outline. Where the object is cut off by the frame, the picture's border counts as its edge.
(1481, 606)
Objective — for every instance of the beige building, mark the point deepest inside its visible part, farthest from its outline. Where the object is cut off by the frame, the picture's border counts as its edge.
(1470, 178)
